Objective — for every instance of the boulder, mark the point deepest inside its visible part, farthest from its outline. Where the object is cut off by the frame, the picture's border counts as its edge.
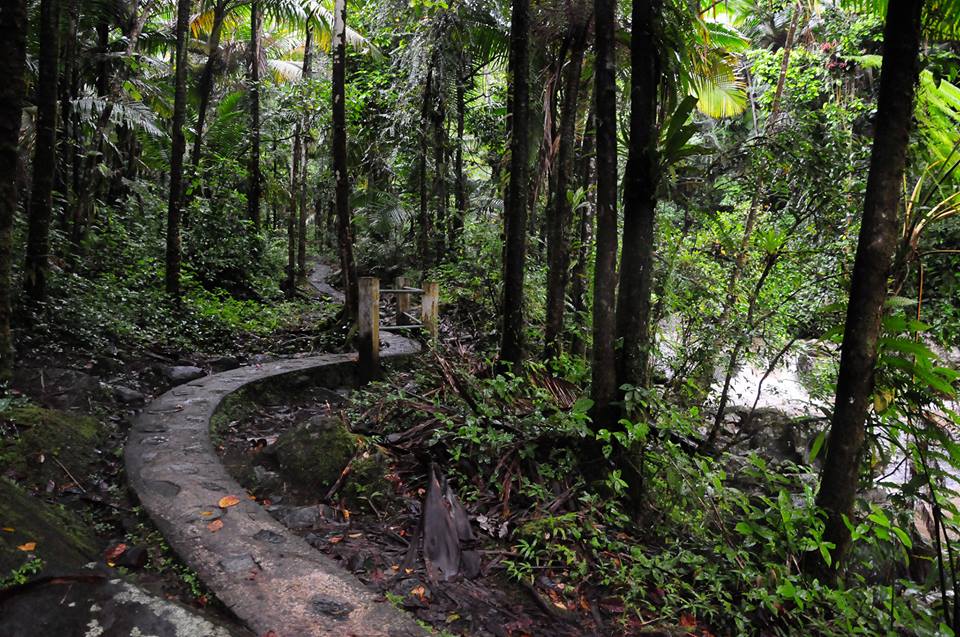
(180, 374)
(129, 396)
(312, 454)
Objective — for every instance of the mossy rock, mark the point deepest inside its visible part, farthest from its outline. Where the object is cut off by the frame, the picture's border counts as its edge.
(46, 437)
(368, 482)
(62, 540)
(313, 453)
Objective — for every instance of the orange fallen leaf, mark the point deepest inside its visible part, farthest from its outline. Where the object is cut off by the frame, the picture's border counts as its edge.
(29, 546)
(206, 514)
(419, 591)
(336, 540)
(9, 529)
(228, 501)
(112, 553)
(215, 526)
(687, 620)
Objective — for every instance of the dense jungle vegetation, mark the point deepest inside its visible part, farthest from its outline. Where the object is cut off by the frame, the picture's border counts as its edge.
(699, 272)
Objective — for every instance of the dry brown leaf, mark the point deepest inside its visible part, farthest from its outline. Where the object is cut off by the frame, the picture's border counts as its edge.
(28, 546)
(112, 553)
(215, 526)
(228, 501)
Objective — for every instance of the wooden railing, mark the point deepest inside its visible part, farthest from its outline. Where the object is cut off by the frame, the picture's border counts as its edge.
(368, 317)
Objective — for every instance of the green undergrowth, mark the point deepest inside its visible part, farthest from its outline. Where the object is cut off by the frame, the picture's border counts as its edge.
(717, 543)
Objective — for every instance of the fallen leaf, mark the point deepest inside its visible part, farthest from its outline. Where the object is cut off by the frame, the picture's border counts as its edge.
(112, 553)
(228, 501)
(687, 620)
(206, 514)
(215, 526)
(29, 546)
(336, 540)
(9, 529)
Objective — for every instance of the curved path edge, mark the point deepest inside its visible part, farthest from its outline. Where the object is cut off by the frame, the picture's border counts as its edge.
(268, 576)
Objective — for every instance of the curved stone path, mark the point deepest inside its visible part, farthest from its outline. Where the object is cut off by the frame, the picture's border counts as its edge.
(268, 576)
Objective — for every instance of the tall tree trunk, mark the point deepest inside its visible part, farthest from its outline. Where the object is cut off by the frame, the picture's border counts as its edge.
(302, 183)
(578, 284)
(13, 52)
(784, 66)
(440, 179)
(460, 184)
(206, 82)
(875, 247)
(254, 180)
(37, 263)
(604, 377)
(640, 199)
(69, 87)
(178, 146)
(341, 178)
(103, 64)
(515, 204)
(559, 214)
(290, 284)
(423, 216)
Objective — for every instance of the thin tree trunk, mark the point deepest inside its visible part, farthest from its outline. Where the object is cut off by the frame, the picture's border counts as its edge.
(290, 283)
(578, 285)
(302, 183)
(559, 214)
(341, 178)
(604, 377)
(877, 241)
(178, 146)
(639, 200)
(784, 66)
(440, 179)
(37, 263)
(206, 82)
(13, 52)
(460, 185)
(515, 204)
(423, 217)
(254, 180)
(68, 87)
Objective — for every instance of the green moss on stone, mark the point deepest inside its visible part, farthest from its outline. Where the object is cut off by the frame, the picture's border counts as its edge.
(314, 453)
(73, 440)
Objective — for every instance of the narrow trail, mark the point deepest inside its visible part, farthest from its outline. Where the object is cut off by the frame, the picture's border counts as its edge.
(268, 576)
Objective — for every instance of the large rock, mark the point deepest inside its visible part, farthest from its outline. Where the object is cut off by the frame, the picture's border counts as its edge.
(52, 445)
(87, 603)
(59, 539)
(180, 374)
(775, 436)
(313, 454)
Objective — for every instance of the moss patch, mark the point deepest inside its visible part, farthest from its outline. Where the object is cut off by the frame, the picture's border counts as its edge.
(314, 453)
(45, 437)
(62, 540)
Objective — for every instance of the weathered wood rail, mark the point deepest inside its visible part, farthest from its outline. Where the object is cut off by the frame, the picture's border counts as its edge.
(368, 318)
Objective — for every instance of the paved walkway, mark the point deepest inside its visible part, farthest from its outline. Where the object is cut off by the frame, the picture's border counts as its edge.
(268, 576)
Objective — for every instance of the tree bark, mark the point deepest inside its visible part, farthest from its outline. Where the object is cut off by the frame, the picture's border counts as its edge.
(302, 183)
(206, 82)
(423, 217)
(515, 204)
(559, 215)
(178, 146)
(875, 247)
(290, 284)
(341, 178)
(254, 180)
(460, 185)
(604, 378)
(37, 263)
(578, 285)
(640, 199)
(13, 52)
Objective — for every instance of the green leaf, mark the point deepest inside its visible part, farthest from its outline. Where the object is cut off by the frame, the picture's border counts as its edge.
(817, 445)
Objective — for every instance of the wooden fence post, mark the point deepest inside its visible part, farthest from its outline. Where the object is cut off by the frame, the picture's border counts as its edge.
(429, 308)
(403, 301)
(368, 327)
